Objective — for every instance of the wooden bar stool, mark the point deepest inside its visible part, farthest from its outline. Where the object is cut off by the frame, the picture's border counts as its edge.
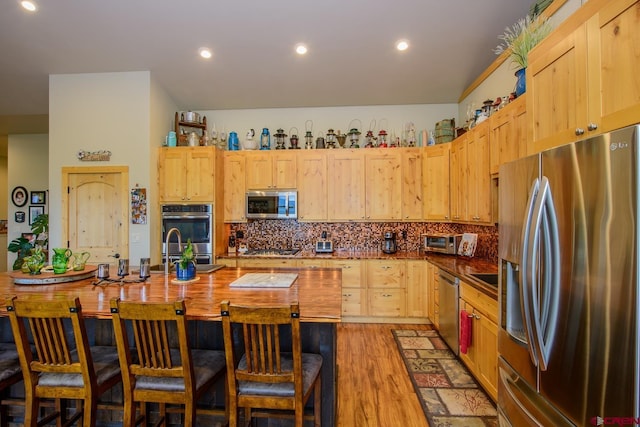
(63, 365)
(10, 374)
(155, 372)
(264, 376)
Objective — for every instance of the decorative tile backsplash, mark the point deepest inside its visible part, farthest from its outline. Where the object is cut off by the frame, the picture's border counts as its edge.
(362, 236)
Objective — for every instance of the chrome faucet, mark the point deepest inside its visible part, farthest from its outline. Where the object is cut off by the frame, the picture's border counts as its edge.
(166, 245)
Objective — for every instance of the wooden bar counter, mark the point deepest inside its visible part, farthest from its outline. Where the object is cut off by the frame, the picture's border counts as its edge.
(318, 291)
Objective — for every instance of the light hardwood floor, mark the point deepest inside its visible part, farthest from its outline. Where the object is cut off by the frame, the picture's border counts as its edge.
(374, 389)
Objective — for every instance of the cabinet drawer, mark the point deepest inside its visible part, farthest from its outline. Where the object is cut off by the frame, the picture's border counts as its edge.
(351, 272)
(312, 263)
(258, 262)
(482, 302)
(229, 262)
(386, 274)
(352, 302)
(387, 303)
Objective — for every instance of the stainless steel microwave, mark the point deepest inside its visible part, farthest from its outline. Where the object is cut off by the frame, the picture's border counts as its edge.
(272, 204)
(442, 243)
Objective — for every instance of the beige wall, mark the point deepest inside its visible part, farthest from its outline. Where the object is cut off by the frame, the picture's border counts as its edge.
(389, 117)
(502, 81)
(102, 111)
(28, 169)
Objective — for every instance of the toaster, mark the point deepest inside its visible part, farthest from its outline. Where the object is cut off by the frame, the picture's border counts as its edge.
(324, 246)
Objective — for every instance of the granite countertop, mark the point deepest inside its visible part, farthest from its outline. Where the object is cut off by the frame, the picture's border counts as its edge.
(460, 266)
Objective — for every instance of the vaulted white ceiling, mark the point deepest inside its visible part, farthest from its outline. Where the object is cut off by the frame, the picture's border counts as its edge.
(351, 60)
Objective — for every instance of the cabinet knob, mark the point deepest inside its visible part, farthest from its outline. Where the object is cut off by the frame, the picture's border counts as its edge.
(579, 131)
(446, 217)
(592, 127)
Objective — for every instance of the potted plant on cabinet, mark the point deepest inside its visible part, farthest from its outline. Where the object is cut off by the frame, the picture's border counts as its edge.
(186, 266)
(518, 40)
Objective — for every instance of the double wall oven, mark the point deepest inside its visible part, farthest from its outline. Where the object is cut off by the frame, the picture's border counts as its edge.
(195, 222)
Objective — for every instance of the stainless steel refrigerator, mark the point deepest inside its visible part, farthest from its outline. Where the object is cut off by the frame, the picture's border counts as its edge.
(569, 252)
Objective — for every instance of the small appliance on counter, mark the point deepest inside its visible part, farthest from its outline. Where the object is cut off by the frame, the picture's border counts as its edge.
(390, 244)
(442, 243)
(324, 245)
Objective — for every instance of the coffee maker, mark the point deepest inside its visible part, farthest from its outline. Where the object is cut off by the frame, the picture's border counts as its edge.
(389, 246)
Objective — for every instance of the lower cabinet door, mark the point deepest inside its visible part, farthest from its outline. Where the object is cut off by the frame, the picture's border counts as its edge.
(387, 302)
(352, 302)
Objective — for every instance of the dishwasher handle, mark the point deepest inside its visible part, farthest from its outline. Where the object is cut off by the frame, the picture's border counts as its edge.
(449, 278)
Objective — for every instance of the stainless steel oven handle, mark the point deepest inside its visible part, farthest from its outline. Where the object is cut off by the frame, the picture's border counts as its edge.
(186, 216)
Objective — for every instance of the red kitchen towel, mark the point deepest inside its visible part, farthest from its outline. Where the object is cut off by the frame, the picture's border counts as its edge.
(465, 331)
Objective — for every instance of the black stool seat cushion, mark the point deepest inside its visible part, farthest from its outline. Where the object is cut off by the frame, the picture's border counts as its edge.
(311, 364)
(106, 366)
(206, 365)
(9, 362)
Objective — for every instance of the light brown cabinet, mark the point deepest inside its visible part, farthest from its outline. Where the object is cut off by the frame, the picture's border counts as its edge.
(354, 294)
(268, 170)
(436, 182)
(433, 295)
(346, 180)
(383, 185)
(482, 355)
(417, 288)
(508, 134)
(386, 281)
(582, 79)
(412, 187)
(267, 263)
(312, 185)
(477, 187)
(186, 174)
(234, 187)
(458, 176)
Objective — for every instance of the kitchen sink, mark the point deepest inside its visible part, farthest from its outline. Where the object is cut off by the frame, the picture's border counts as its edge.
(488, 278)
(200, 268)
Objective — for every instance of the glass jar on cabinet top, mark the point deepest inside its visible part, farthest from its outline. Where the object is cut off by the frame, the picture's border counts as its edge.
(280, 136)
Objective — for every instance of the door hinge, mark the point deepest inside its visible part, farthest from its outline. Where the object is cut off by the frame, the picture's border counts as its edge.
(68, 189)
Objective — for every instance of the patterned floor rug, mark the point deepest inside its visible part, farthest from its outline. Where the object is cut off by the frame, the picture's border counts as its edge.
(449, 395)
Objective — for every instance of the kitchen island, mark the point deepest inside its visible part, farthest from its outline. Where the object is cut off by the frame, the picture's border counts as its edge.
(318, 292)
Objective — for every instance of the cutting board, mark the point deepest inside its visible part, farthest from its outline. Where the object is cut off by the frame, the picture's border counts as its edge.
(265, 280)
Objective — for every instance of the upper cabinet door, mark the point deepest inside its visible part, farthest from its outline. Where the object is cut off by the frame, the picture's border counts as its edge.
(346, 185)
(312, 186)
(186, 174)
(412, 195)
(557, 90)
(582, 80)
(268, 170)
(383, 185)
(436, 182)
(613, 37)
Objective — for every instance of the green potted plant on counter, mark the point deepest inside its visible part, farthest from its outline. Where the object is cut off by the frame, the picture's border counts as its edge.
(518, 40)
(25, 247)
(186, 265)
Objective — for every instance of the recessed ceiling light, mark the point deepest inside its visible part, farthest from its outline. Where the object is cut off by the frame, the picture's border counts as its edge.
(205, 52)
(402, 45)
(301, 49)
(29, 5)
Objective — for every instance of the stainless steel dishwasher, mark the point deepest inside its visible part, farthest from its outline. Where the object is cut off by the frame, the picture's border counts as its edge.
(449, 314)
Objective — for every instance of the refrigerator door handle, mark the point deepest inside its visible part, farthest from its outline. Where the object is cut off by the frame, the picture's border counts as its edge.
(527, 269)
(547, 296)
(543, 287)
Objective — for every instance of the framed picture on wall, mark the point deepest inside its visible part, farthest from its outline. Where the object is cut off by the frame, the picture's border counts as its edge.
(19, 216)
(34, 212)
(38, 197)
(19, 196)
